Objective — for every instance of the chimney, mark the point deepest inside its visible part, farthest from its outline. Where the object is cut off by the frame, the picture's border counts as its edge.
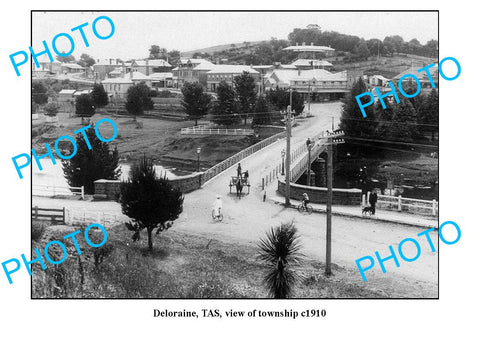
(311, 44)
(303, 44)
(110, 61)
(297, 43)
(148, 69)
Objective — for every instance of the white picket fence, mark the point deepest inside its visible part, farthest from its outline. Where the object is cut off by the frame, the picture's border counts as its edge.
(411, 205)
(209, 131)
(85, 217)
(53, 190)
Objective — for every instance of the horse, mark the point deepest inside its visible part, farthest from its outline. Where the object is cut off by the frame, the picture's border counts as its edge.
(239, 187)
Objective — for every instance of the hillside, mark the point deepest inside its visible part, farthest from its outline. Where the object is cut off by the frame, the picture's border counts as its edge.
(219, 48)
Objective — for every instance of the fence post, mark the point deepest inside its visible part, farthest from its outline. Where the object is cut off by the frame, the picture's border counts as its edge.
(83, 192)
(363, 200)
(399, 202)
(63, 215)
(36, 212)
(263, 183)
(434, 207)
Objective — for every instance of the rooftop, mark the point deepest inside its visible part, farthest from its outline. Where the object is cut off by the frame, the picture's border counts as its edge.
(308, 48)
(311, 63)
(153, 63)
(232, 69)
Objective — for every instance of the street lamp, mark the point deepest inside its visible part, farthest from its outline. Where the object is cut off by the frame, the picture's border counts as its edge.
(283, 162)
(198, 158)
(309, 147)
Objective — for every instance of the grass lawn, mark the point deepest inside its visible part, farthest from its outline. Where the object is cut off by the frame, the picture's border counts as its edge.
(159, 139)
(182, 266)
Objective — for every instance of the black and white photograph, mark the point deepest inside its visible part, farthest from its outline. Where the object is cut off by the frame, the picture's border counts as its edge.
(234, 154)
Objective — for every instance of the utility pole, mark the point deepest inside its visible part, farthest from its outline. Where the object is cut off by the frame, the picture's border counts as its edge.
(287, 162)
(328, 236)
(332, 138)
(333, 125)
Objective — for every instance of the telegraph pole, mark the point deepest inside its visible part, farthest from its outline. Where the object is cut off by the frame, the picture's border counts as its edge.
(287, 160)
(328, 256)
(331, 138)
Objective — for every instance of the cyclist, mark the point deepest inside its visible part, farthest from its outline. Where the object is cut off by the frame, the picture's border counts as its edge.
(305, 200)
(217, 206)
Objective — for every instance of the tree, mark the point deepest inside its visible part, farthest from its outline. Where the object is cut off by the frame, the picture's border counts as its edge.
(157, 53)
(89, 165)
(263, 112)
(51, 109)
(68, 59)
(428, 114)
(195, 101)
(86, 60)
(84, 106)
(245, 90)
(39, 93)
(354, 125)
(280, 250)
(224, 110)
(174, 57)
(138, 100)
(99, 96)
(404, 112)
(280, 99)
(363, 51)
(148, 200)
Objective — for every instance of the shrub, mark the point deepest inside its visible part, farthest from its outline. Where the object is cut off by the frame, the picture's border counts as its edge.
(38, 229)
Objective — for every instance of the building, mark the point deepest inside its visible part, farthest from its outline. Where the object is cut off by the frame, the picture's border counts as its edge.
(227, 73)
(309, 64)
(378, 80)
(422, 77)
(319, 83)
(161, 79)
(71, 68)
(149, 66)
(103, 67)
(192, 70)
(117, 87)
(311, 50)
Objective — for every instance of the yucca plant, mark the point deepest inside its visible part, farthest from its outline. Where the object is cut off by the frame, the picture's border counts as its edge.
(280, 250)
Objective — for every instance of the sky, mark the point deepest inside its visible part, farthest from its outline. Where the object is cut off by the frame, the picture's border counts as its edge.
(135, 32)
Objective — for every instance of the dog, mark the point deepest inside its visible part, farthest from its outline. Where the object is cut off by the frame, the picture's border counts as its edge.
(367, 209)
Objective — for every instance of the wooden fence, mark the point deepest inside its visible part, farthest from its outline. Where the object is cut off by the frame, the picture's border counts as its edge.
(54, 215)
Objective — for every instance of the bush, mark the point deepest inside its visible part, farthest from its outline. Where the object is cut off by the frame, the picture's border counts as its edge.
(165, 94)
(153, 93)
(38, 229)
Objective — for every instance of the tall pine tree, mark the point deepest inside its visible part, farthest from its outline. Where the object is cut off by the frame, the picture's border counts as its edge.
(90, 164)
(224, 110)
(358, 129)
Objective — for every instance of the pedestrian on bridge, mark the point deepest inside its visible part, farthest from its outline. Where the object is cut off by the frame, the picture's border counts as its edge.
(239, 171)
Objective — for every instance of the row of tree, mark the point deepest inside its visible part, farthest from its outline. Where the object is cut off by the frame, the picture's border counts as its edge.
(399, 124)
(238, 101)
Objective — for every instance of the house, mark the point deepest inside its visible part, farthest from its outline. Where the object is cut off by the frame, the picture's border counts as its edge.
(378, 80)
(308, 64)
(71, 68)
(422, 77)
(162, 79)
(192, 70)
(149, 66)
(47, 67)
(103, 67)
(320, 84)
(118, 87)
(227, 73)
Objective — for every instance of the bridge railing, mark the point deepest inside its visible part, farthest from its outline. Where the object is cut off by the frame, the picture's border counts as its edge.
(227, 163)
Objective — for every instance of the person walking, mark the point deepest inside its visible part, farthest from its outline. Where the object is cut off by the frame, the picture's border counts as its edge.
(217, 207)
(373, 200)
(239, 171)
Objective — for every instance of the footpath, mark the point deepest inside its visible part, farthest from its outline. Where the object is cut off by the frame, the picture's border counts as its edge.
(356, 211)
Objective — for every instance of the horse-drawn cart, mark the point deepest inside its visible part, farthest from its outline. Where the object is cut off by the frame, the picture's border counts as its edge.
(238, 183)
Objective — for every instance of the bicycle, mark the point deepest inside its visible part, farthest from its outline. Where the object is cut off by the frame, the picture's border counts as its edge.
(305, 208)
(218, 217)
